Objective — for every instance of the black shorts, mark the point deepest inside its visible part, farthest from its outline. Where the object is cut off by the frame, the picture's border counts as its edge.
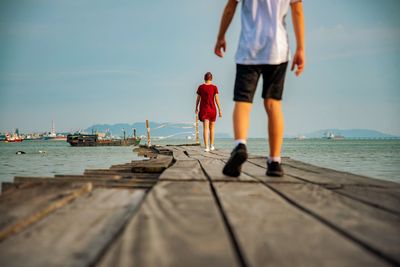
(247, 78)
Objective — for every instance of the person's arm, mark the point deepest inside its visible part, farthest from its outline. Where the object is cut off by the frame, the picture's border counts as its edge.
(197, 104)
(229, 11)
(218, 105)
(299, 58)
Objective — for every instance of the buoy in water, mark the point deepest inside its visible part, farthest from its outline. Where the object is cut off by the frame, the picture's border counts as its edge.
(20, 152)
(42, 152)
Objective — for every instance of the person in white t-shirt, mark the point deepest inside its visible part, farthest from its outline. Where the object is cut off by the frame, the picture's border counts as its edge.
(263, 50)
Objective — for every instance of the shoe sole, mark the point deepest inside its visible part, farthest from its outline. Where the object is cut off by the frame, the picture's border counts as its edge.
(234, 165)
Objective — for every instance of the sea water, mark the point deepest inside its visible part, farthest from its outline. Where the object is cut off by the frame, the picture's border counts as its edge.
(374, 158)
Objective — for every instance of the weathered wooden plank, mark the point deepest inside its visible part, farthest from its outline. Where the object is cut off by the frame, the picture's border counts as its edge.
(184, 170)
(373, 227)
(260, 173)
(213, 167)
(74, 235)
(384, 198)
(81, 177)
(123, 165)
(26, 206)
(113, 176)
(192, 151)
(106, 172)
(321, 175)
(377, 193)
(128, 183)
(224, 154)
(102, 172)
(178, 224)
(156, 165)
(146, 152)
(272, 232)
(161, 150)
(8, 187)
(178, 154)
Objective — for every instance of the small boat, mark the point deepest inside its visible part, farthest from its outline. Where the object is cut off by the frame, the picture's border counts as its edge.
(53, 136)
(94, 140)
(333, 136)
(13, 138)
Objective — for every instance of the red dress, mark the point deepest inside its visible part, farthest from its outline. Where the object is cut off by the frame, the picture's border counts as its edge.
(207, 94)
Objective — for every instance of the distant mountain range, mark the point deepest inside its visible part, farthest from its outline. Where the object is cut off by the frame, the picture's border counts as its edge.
(157, 130)
(184, 130)
(350, 133)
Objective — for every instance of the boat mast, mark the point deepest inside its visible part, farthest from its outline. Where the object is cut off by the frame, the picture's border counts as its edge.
(53, 128)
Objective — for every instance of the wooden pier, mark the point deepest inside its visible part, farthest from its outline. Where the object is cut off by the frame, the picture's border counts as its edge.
(178, 209)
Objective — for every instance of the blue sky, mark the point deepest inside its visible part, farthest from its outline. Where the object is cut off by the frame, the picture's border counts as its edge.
(95, 61)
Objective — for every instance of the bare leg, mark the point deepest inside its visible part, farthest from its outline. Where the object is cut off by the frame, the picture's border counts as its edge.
(205, 132)
(212, 126)
(273, 108)
(241, 118)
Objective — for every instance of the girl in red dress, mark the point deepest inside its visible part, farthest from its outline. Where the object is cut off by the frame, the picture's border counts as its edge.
(207, 96)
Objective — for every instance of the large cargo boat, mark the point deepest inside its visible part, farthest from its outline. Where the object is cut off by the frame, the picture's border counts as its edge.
(94, 140)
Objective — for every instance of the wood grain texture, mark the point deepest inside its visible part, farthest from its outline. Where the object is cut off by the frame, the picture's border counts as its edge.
(178, 154)
(10, 187)
(213, 167)
(321, 175)
(374, 227)
(271, 232)
(192, 151)
(82, 177)
(375, 192)
(26, 206)
(384, 198)
(105, 172)
(156, 165)
(259, 173)
(184, 170)
(177, 225)
(128, 183)
(74, 235)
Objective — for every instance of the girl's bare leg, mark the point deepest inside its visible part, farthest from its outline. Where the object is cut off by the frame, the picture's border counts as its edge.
(205, 132)
(212, 127)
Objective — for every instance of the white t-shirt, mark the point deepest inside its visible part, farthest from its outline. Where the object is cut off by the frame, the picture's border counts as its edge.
(263, 38)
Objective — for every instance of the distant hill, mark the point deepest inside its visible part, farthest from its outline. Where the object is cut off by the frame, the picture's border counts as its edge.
(161, 130)
(350, 133)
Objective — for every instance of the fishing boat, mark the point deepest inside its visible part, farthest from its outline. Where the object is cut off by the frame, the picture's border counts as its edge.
(80, 139)
(53, 136)
(13, 138)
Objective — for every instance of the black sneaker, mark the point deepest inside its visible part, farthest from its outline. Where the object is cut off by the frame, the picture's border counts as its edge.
(234, 165)
(274, 169)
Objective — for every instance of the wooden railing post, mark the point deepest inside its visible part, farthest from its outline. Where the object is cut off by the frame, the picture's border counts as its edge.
(197, 129)
(148, 133)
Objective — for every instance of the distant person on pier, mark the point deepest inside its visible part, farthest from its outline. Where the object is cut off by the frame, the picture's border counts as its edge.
(207, 97)
(263, 51)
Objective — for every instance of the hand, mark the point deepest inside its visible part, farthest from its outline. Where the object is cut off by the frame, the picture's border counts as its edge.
(299, 61)
(220, 114)
(220, 47)
(196, 111)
